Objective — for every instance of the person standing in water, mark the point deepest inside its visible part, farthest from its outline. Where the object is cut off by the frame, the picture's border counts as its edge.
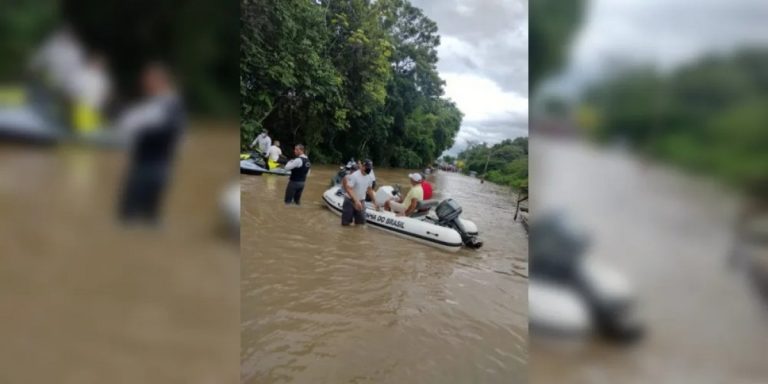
(357, 185)
(299, 168)
(154, 128)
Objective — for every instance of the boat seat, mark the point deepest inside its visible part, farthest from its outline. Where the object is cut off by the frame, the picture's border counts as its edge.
(423, 207)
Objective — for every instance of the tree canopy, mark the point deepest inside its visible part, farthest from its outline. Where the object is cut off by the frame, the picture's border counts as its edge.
(506, 162)
(347, 79)
(708, 116)
(552, 28)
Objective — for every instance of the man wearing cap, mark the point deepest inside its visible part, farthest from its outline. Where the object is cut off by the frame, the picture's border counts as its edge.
(406, 206)
(357, 185)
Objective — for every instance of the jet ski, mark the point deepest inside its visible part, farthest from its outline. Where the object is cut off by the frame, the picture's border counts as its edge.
(435, 223)
(570, 294)
(25, 123)
(252, 164)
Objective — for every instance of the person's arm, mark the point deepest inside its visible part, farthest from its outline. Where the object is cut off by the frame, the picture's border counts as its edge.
(411, 208)
(372, 195)
(295, 163)
(138, 118)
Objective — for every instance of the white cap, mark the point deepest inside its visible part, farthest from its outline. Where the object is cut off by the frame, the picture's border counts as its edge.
(415, 177)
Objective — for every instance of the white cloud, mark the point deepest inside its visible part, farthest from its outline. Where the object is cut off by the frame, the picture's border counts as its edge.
(666, 33)
(482, 100)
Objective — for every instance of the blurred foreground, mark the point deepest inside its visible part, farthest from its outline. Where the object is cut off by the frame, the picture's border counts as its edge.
(91, 300)
(668, 234)
(650, 136)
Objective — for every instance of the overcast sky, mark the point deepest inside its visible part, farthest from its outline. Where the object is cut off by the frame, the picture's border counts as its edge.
(666, 33)
(484, 61)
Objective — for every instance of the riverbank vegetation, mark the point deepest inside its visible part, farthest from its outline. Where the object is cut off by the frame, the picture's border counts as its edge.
(346, 78)
(708, 116)
(504, 163)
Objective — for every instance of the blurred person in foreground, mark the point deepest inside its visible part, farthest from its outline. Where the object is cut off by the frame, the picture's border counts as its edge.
(90, 89)
(154, 128)
(53, 68)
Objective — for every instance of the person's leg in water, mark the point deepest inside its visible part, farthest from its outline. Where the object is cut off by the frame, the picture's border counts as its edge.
(155, 188)
(130, 199)
(347, 212)
(290, 190)
(360, 216)
(297, 193)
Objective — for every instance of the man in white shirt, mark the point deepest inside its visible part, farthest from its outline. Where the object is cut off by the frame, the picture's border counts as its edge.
(264, 142)
(357, 185)
(90, 86)
(299, 168)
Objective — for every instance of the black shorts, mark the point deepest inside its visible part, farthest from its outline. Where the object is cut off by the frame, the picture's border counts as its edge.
(348, 213)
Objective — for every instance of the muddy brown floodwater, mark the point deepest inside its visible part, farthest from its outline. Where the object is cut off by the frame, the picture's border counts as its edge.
(85, 300)
(670, 234)
(326, 304)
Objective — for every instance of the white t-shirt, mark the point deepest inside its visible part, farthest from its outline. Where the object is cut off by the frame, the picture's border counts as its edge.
(264, 142)
(359, 184)
(274, 153)
(91, 86)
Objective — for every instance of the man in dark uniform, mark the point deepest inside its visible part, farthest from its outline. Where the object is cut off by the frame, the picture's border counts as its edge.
(299, 168)
(154, 127)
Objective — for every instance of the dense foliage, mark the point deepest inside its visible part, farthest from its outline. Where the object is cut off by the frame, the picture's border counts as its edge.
(198, 39)
(709, 116)
(346, 78)
(552, 28)
(503, 163)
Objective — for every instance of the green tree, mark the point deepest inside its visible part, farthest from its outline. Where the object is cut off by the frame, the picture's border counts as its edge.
(349, 79)
(552, 27)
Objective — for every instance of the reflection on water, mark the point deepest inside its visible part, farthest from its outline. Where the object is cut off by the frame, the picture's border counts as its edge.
(326, 304)
(84, 300)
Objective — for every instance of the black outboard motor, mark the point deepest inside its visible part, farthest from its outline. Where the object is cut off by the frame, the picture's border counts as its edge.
(558, 257)
(448, 212)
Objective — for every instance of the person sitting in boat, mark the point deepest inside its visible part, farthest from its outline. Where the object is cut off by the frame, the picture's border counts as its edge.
(273, 155)
(356, 186)
(406, 206)
(427, 187)
(90, 86)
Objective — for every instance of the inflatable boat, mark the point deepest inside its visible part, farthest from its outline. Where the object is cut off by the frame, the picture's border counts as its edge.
(255, 166)
(435, 223)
